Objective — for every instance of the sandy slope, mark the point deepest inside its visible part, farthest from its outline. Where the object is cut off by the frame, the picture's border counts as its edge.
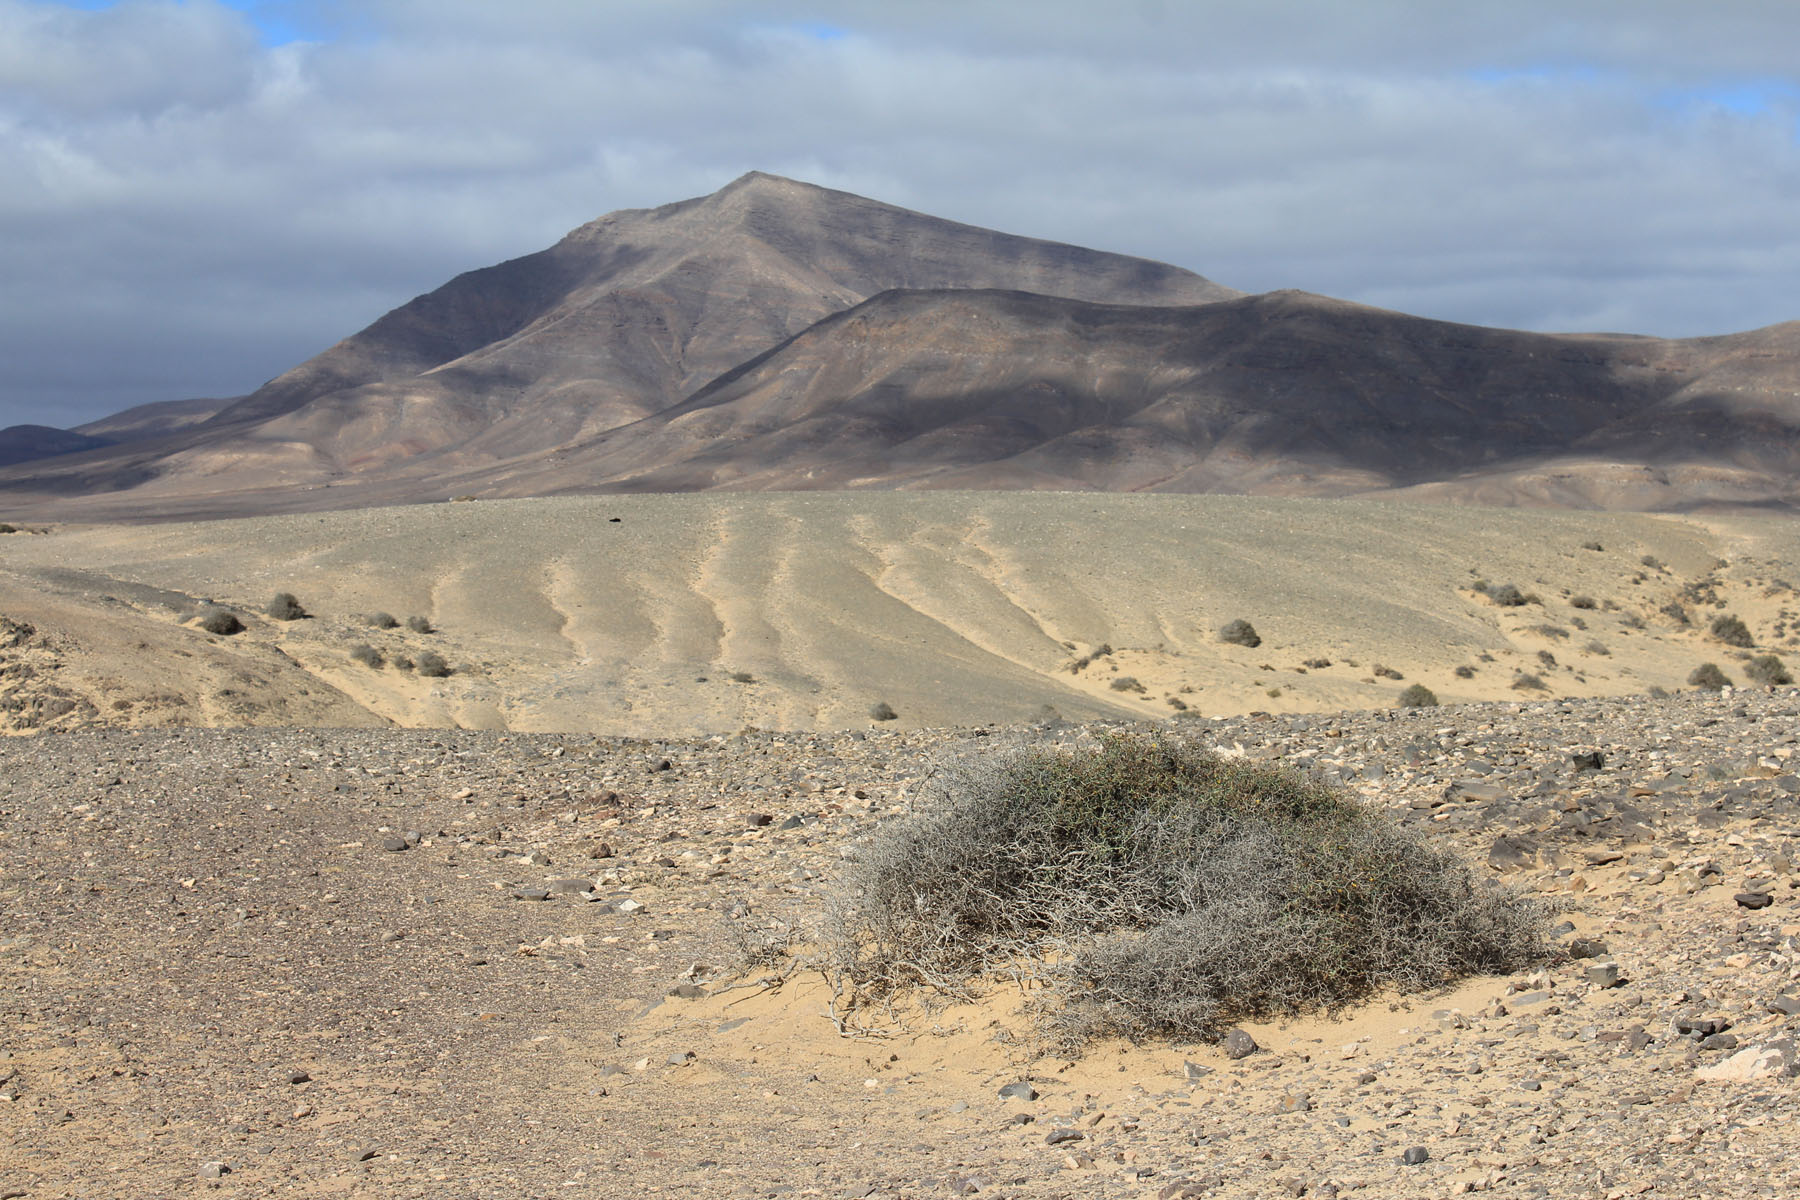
(633, 614)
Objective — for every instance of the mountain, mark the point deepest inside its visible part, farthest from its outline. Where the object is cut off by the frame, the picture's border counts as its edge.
(25, 443)
(777, 335)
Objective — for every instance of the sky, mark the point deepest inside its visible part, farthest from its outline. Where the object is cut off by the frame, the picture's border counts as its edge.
(196, 195)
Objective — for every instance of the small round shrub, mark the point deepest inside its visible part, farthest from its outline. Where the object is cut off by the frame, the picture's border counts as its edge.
(881, 710)
(432, 665)
(221, 621)
(1155, 889)
(1464, 672)
(1381, 672)
(1708, 677)
(1675, 612)
(403, 662)
(366, 654)
(1418, 696)
(284, 607)
(1731, 631)
(1768, 671)
(1316, 664)
(1524, 681)
(742, 677)
(1240, 633)
(1596, 647)
(419, 625)
(1582, 602)
(1507, 596)
(8, 527)
(1592, 546)
(382, 620)
(1547, 658)
(1126, 683)
(1651, 561)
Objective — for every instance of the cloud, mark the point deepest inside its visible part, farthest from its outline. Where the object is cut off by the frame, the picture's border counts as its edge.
(201, 195)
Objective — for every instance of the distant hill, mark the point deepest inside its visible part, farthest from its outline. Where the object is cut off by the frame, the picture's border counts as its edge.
(776, 335)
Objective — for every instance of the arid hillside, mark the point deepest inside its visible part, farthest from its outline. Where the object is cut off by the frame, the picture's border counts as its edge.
(654, 615)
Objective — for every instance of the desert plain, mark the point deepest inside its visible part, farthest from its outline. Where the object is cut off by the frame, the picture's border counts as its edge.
(281, 917)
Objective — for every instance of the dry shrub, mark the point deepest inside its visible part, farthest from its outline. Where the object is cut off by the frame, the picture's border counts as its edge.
(283, 606)
(1153, 888)
(1732, 631)
(881, 710)
(432, 665)
(1240, 633)
(366, 654)
(420, 625)
(1418, 696)
(1768, 670)
(381, 620)
(1708, 677)
(221, 621)
(1507, 595)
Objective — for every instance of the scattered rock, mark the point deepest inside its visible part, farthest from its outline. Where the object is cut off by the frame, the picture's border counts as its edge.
(1238, 1044)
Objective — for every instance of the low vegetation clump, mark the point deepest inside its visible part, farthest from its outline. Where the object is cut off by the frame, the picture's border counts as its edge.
(1582, 602)
(1126, 683)
(367, 655)
(382, 620)
(8, 527)
(1464, 672)
(881, 710)
(1240, 633)
(1381, 672)
(284, 607)
(1507, 596)
(432, 665)
(742, 677)
(1525, 681)
(420, 625)
(1767, 670)
(1596, 647)
(1592, 546)
(1708, 677)
(1154, 889)
(1418, 696)
(1651, 561)
(1316, 664)
(221, 621)
(1731, 631)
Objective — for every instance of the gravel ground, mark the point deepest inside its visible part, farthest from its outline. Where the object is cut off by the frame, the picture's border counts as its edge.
(312, 962)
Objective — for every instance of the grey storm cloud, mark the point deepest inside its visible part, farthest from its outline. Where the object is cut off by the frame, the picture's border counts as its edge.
(194, 203)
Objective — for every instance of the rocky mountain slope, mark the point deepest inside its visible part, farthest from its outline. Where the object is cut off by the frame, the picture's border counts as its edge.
(776, 335)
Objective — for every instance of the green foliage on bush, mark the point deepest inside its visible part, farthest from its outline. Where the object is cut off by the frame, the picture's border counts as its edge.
(1156, 889)
(1418, 696)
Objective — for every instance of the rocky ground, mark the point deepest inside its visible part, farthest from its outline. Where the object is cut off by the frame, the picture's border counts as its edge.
(428, 963)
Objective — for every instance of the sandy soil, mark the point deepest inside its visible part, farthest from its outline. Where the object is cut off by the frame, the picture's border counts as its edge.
(666, 615)
(315, 963)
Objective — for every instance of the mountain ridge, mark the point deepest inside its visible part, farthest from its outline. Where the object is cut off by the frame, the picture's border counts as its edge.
(778, 335)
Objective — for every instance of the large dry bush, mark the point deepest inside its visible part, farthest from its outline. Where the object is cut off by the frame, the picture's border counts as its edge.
(1157, 889)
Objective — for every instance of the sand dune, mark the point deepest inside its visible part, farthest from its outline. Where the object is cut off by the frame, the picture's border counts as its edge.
(663, 615)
